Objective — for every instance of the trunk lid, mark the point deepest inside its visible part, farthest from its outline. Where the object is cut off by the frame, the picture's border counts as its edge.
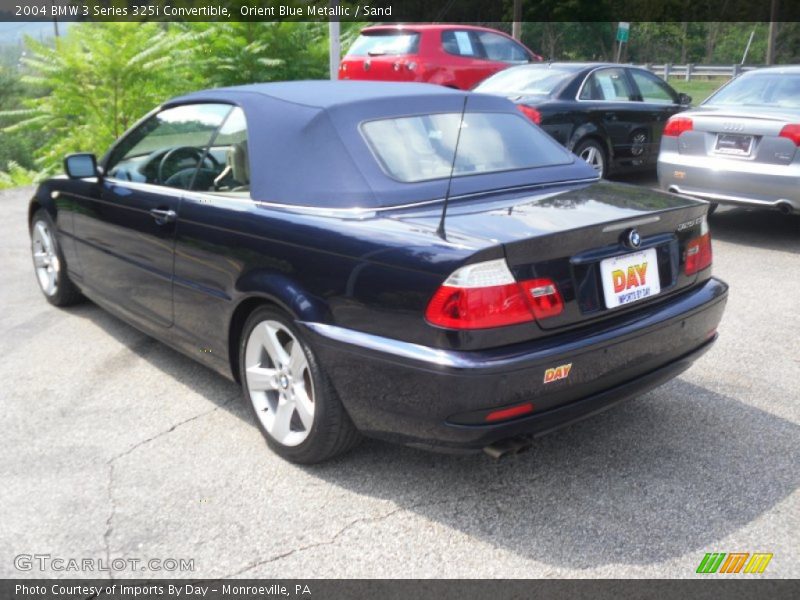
(377, 68)
(740, 134)
(564, 234)
(382, 54)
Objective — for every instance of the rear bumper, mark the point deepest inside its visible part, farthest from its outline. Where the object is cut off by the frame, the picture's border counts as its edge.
(409, 394)
(730, 181)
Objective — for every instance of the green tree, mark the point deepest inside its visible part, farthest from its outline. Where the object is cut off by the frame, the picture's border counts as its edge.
(16, 175)
(16, 149)
(252, 52)
(98, 80)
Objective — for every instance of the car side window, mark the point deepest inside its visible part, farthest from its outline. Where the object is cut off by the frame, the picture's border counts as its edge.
(500, 48)
(610, 85)
(461, 43)
(229, 149)
(653, 89)
(169, 149)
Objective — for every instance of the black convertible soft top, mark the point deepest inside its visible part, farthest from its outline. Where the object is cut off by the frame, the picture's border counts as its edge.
(305, 147)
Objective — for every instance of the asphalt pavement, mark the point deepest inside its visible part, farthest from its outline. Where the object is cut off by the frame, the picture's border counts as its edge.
(117, 447)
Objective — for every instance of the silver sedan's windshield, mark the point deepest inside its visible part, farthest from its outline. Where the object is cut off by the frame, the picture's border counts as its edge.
(774, 89)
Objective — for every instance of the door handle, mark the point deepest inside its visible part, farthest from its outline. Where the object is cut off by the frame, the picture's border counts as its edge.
(163, 215)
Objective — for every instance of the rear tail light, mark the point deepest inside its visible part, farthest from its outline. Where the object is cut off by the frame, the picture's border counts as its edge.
(485, 295)
(791, 132)
(698, 251)
(543, 296)
(677, 125)
(533, 114)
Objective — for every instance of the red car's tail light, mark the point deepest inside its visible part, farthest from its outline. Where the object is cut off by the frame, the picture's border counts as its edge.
(485, 295)
(509, 413)
(698, 252)
(791, 132)
(533, 114)
(677, 125)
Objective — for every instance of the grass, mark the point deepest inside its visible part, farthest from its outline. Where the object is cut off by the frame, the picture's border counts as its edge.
(699, 89)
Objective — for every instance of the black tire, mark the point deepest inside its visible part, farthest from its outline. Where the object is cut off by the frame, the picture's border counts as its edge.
(65, 292)
(332, 432)
(586, 146)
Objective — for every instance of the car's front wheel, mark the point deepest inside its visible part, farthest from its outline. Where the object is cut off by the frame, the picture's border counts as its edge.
(49, 264)
(293, 401)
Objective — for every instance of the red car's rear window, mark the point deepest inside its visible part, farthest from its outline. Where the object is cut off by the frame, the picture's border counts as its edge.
(380, 43)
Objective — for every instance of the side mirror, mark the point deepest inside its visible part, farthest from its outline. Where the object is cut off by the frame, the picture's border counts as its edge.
(81, 165)
(684, 99)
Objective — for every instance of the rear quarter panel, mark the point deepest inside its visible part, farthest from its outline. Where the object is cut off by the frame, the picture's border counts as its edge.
(374, 275)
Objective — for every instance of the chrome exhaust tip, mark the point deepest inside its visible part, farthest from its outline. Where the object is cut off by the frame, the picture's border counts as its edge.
(516, 445)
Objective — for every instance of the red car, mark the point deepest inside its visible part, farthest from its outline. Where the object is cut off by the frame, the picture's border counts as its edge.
(457, 56)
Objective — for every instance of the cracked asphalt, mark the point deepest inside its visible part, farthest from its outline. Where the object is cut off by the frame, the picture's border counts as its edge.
(115, 446)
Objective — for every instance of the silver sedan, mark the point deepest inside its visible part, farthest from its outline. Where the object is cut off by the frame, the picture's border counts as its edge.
(740, 146)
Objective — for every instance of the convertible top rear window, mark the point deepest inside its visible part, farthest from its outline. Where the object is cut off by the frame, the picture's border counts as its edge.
(420, 148)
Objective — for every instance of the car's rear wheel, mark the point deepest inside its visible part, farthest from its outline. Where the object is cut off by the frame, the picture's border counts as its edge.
(294, 403)
(593, 153)
(49, 264)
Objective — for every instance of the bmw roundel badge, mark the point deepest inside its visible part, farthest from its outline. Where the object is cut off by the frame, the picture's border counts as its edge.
(633, 239)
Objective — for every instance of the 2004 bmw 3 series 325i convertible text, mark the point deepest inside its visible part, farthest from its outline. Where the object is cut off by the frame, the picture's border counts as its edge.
(403, 261)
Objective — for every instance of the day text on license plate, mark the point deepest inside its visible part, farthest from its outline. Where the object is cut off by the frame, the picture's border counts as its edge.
(630, 277)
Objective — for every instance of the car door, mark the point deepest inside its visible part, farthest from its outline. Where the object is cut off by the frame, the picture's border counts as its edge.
(607, 97)
(126, 232)
(476, 54)
(463, 64)
(657, 102)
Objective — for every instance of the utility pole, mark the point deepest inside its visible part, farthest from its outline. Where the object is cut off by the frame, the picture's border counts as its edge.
(516, 25)
(334, 45)
(55, 20)
(747, 48)
(773, 32)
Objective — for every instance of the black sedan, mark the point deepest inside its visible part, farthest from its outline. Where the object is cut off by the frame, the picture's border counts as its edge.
(404, 261)
(610, 115)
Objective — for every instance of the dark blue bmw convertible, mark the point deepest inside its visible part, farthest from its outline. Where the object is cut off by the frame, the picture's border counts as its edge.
(402, 261)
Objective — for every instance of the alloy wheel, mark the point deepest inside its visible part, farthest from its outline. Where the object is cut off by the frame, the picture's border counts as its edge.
(279, 382)
(594, 156)
(638, 145)
(45, 258)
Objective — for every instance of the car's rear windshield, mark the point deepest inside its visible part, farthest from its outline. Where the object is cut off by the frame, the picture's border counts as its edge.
(420, 148)
(775, 89)
(529, 81)
(379, 43)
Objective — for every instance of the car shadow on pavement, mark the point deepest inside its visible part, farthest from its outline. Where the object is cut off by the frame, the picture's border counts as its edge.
(200, 379)
(675, 471)
(767, 229)
(653, 479)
